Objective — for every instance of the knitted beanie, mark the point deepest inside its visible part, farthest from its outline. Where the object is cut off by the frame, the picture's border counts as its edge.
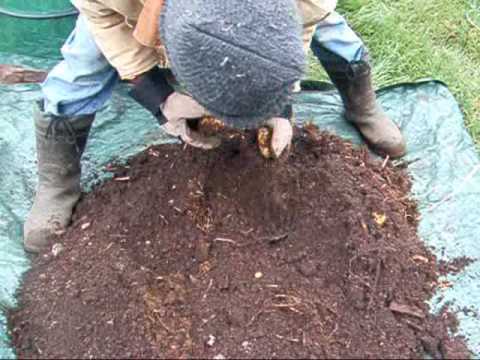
(237, 58)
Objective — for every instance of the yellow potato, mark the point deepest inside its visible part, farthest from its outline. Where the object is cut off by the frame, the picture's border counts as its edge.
(264, 138)
(210, 125)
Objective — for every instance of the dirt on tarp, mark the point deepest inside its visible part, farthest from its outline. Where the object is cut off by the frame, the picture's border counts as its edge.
(455, 266)
(11, 74)
(223, 254)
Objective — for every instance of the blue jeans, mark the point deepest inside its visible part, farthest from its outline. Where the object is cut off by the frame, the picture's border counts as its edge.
(334, 37)
(83, 82)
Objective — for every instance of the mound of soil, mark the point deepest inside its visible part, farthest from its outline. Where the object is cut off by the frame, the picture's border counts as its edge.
(223, 254)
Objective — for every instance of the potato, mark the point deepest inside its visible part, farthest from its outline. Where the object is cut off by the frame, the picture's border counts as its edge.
(210, 125)
(264, 139)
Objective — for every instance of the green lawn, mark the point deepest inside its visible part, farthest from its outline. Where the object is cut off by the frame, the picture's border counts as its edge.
(417, 39)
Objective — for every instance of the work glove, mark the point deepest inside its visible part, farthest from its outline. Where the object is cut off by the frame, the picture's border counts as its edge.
(172, 109)
(178, 109)
(274, 144)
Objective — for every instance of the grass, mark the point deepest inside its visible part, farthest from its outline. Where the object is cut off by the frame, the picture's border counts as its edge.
(417, 39)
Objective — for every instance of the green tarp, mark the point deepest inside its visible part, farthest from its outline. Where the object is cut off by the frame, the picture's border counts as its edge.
(443, 163)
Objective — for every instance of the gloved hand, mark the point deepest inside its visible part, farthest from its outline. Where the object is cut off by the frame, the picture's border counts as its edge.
(281, 138)
(177, 109)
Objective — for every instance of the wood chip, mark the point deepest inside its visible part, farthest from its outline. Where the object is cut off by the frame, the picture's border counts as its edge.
(444, 284)
(385, 162)
(125, 178)
(406, 310)
(86, 226)
(230, 241)
(258, 275)
(275, 239)
(153, 153)
(287, 338)
(420, 258)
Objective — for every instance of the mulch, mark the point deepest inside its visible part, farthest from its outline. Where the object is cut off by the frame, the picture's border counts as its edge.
(224, 254)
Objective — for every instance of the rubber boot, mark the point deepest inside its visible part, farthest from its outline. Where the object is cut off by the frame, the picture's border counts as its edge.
(60, 144)
(354, 82)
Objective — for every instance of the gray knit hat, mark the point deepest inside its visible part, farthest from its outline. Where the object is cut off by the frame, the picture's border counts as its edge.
(237, 58)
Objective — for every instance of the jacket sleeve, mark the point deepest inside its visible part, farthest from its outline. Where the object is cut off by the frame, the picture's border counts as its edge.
(313, 11)
(115, 38)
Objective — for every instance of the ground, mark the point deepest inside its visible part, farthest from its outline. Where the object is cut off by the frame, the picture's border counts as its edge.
(411, 40)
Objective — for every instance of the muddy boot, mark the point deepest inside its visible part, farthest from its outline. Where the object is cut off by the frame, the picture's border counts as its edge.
(60, 144)
(354, 82)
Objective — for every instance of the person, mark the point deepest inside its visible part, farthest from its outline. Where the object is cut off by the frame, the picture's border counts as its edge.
(234, 59)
